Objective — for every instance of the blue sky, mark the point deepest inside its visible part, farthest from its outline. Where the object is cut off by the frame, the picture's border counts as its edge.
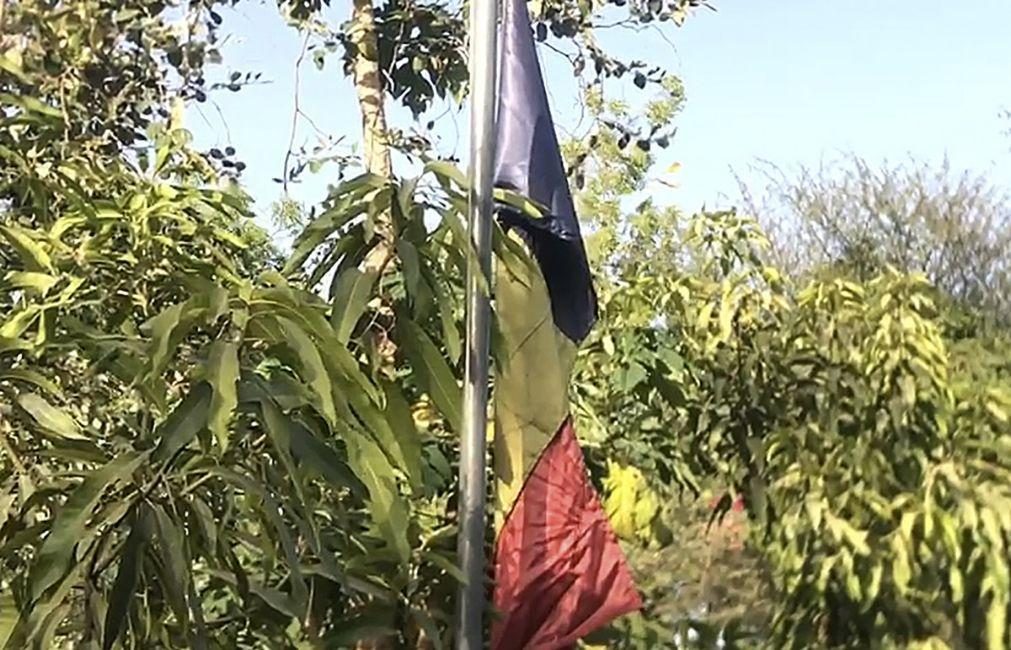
(789, 81)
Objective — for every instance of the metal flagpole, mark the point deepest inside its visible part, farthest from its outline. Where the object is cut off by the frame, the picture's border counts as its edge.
(473, 439)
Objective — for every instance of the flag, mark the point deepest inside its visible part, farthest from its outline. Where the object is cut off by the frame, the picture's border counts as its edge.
(559, 570)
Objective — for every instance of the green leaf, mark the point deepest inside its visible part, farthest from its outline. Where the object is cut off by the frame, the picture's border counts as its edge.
(346, 251)
(447, 171)
(318, 456)
(527, 207)
(167, 329)
(19, 322)
(448, 320)
(206, 521)
(433, 373)
(352, 291)
(634, 374)
(50, 418)
(12, 66)
(184, 422)
(9, 617)
(902, 572)
(34, 621)
(32, 254)
(271, 512)
(271, 597)
(30, 104)
(411, 265)
(279, 428)
(33, 378)
(222, 374)
(386, 507)
(427, 624)
(127, 577)
(322, 227)
(446, 565)
(314, 372)
(55, 555)
(407, 440)
(50, 624)
(171, 559)
(40, 282)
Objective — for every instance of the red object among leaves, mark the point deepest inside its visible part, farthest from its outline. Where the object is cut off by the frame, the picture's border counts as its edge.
(559, 570)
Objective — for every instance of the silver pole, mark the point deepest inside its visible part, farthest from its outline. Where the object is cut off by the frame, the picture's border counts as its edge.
(473, 439)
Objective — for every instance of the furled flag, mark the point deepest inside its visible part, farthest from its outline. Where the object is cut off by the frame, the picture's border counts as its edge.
(559, 571)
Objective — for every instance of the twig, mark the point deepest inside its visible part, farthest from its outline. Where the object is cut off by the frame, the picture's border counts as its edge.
(296, 113)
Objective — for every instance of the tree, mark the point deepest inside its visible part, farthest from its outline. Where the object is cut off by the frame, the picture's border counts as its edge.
(175, 415)
(955, 228)
(184, 420)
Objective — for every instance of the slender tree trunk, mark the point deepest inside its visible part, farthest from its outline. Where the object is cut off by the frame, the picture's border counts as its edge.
(369, 87)
(376, 153)
(376, 146)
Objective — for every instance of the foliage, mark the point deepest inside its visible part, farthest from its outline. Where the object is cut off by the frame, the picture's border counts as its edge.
(178, 428)
(865, 422)
(195, 450)
(859, 219)
(900, 533)
(206, 445)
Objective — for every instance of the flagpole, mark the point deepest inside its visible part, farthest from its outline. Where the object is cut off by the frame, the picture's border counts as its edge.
(473, 438)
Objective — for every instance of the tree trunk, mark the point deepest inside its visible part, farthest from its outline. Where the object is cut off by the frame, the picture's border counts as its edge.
(369, 87)
(376, 147)
(376, 153)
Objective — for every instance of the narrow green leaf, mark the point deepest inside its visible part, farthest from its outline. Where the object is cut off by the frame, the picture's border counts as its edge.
(50, 418)
(222, 374)
(9, 617)
(328, 569)
(184, 423)
(405, 198)
(171, 558)
(465, 248)
(318, 456)
(68, 526)
(446, 565)
(428, 625)
(279, 428)
(166, 330)
(434, 374)
(271, 597)
(33, 622)
(398, 414)
(206, 521)
(447, 171)
(33, 378)
(31, 104)
(316, 233)
(387, 508)
(17, 324)
(271, 512)
(314, 372)
(411, 266)
(32, 254)
(12, 66)
(50, 624)
(40, 282)
(527, 207)
(447, 318)
(347, 248)
(352, 291)
(127, 577)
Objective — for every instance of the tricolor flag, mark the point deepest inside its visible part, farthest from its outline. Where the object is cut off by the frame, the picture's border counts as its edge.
(559, 571)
